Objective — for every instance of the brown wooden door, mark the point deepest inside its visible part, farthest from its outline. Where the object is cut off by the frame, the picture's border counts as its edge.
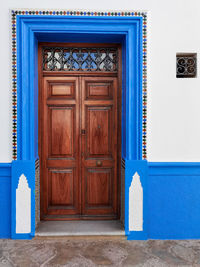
(60, 147)
(78, 129)
(99, 145)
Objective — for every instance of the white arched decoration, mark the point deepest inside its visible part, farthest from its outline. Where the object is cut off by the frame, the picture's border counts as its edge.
(23, 206)
(136, 204)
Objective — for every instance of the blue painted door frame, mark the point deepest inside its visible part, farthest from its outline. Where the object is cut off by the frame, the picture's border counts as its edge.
(34, 29)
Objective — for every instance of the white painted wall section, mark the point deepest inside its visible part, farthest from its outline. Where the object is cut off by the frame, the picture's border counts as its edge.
(23, 206)
(136, 204)
(173, 125)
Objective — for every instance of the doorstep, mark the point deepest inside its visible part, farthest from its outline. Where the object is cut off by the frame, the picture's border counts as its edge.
(80, 228)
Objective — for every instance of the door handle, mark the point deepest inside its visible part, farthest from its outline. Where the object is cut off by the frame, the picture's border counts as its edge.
(98, 163)
(83, 131)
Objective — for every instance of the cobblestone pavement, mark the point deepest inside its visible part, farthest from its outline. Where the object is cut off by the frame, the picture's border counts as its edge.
(98, 251)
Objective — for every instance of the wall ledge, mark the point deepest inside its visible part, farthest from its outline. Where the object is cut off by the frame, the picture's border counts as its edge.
(174, 168)
(5, 169)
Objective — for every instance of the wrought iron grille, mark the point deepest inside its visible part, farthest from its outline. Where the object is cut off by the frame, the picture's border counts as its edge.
(186, 65)
(80, 59)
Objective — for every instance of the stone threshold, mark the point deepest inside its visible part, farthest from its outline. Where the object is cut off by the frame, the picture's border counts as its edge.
(80, 228)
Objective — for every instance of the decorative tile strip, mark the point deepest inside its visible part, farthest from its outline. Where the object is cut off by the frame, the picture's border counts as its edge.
(144, 97)
(14, 87)
(37, 192)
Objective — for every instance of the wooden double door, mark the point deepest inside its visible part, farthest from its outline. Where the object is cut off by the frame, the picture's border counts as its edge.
(79, 147)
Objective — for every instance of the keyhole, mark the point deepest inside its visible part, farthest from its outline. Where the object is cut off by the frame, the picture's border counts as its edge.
(99, 126)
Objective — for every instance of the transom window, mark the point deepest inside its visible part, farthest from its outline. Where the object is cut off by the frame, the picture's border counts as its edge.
(80, 59)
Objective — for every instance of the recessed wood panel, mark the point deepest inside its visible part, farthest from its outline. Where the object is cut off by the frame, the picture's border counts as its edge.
(62, 131)
(61, 187)
(99, 90)
(98, 130)
(98, 187)
(61, 89)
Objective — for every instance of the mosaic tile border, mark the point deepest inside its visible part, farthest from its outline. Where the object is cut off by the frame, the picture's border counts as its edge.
(15, 13)
(37, 192)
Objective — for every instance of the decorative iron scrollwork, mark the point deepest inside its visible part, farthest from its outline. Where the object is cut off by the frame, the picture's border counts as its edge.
(186, 65)
(80, 59)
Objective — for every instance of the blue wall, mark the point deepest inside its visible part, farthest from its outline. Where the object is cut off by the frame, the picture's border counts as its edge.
(5, 200)
(174, 201)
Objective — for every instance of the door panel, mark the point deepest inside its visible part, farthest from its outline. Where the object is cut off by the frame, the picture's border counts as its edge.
(98, 187)
(62, 131)
(99, 146)
(65, 90)
(60, 159)
(98, 129)
(78, 148)
(61, 187)
(98, 90)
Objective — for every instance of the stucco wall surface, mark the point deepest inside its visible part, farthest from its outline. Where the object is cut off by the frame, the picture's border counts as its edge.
(173, 104)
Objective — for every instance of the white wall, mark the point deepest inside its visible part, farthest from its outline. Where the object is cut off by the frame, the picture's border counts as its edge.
(173, 104)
